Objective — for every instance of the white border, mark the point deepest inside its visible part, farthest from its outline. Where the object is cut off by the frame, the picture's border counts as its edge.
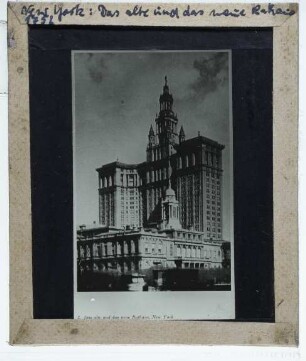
(199, 305)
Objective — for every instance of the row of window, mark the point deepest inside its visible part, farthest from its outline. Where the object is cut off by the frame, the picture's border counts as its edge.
(108, 249)
(106, 181)
(212, 175)
(196, 252)
(214, 235)
(214, 229)
(213, 202)
(153, 248)
(212, 180)
(129, 180)
(191, 236)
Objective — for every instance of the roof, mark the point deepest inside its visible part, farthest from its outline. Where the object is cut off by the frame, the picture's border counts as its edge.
(198, 141)
(117, 165)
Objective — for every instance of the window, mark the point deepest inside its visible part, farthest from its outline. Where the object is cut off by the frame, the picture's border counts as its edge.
(171, 250)
(82, 252)
(132, 246)
(198, 252)
(193, 160)
(96, 250)
(179, 162)
(193, 252)
(188, 252)
(130, 180)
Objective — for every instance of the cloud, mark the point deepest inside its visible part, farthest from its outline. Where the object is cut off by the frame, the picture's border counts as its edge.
(212, 72)
(96, 67)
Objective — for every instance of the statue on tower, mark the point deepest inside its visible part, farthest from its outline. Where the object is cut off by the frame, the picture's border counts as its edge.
(170, 207)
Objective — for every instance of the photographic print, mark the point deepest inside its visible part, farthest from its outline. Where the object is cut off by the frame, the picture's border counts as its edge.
(153, 202)
(149, 175)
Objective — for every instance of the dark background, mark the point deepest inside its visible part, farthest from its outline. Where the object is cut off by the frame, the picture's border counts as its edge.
(51, 154)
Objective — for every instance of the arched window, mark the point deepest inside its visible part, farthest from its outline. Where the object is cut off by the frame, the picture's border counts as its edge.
(82, 252)
(179, 162)
(95, 250)
(193, 160)
(171, 249)
(133, 246)
(186, 161)
(198, 252)
(193, 252)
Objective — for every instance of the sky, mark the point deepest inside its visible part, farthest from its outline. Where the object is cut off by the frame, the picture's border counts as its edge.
(116, 99)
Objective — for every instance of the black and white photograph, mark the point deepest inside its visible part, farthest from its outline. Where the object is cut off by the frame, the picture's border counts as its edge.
(153, 172)
(153, 194)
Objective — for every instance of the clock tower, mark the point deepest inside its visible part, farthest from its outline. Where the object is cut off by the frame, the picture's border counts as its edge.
(166, 123)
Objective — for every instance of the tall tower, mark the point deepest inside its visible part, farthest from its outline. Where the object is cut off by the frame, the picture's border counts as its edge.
(166, 123)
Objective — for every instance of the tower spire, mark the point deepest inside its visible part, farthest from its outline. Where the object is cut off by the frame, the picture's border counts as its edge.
(166, 87)
(182, 135)
(151, 131)
(166, 123)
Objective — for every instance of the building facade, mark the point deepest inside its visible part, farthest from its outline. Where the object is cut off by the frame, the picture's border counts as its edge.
(106, 249)
(131, 194)
(165, 211)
